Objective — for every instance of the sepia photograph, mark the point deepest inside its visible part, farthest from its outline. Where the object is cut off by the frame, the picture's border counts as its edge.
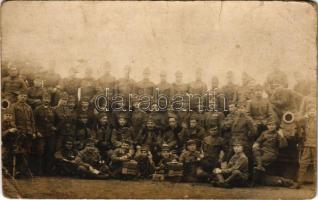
(159, 99)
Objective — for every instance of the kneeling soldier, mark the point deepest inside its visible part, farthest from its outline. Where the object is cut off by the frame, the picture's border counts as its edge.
(265, 149)
(190, 157)
(145, 162)
(65, 159)
(121, 157)
(236, 171)
(90, 163)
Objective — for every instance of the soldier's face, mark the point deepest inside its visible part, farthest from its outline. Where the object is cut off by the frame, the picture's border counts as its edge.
(104, 120)
(122, 121)
(165, 154)
(150, 125)
(271, 127)
(172, 122)
(37, 83)
(83, 120)
(213, 132)
(46, 101)
(22, 97)
(68, 146)
(178, 78)
(7, 117)
(192, 147)
(63, 102)
(84, 105)
(193, 123)
(238, 148)
(232, 108)
(258, 93)
(154, 107)
(71, 104)
(312, 113)
(125, 146)
(13, 72)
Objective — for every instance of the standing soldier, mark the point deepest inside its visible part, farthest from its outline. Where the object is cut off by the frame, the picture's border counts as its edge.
(197, 88)
(125, 85)
(87, 85)
(217, 102)
(12, 84)
(230, 90)
(85, 109)
(309, 153)
(107, 80)
(145, 86)
(72, 83)
(24, 122)
(245, 92)
(35, 93)
(138, 117)
(178, 87)
(163, 86)
(226, 130)
(260, 110)
(276, 76)
(44, 120)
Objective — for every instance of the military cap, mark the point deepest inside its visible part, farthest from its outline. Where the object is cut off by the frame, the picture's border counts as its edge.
(101, 115)
(64, 96)
(258, 87)
(238, 143)
(178, 73)
(7, 111)
(90, 141)
(123, 115)
(165, 147)
(150, 119)
(146, 71)
(71, 98)
(46, 95)
(21, 92)
(163, 73)
(190, 142)
(172, 115)
(84, 99)
(213, 127)
(144, 148)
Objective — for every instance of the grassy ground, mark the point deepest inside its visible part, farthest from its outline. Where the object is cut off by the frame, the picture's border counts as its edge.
(56, 187)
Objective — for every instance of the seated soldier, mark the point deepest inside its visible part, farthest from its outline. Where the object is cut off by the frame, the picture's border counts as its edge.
(212, 147)
(90, 164)
(122, 132)
(103, 135)
(121, 154)
(166, 156)
(265, 149)
(145, 162)
(190, 158)
(194, 132)
(65, 159)
(236, 171)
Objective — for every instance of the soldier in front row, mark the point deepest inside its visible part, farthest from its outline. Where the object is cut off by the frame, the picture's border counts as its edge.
(236, 171)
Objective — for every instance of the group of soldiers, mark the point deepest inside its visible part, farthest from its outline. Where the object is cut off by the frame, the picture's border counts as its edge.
(257, 135)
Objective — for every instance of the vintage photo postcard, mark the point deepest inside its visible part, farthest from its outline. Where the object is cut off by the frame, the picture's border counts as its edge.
(159, 99)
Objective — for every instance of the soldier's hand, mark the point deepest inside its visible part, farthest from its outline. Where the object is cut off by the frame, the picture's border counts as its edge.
(255, 146)
(280, 133)
(12, 130)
